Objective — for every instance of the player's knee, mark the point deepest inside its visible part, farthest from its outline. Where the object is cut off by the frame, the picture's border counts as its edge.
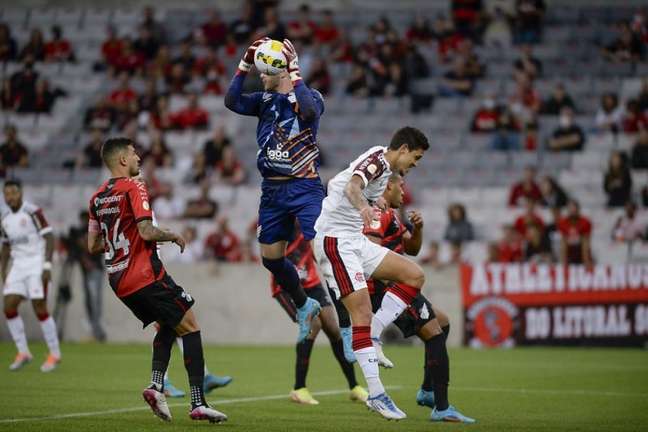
(416, 277)
(441, 317)
(276, 266)
(10, 312)
(40, 308)
(431, 329)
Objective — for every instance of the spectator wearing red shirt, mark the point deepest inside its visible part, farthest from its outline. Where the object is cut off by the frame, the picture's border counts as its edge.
(576, 231)
(467, 15)
(527, 188)
(123, 95)
(327, 32)
(111, 48)
(485, 119)
(215, 30)
(303, 28)
(223, 244)
(191, 117)
(319, 77)
(448, 40)
(635, 119)
(529, 218)
(229, 168)
(130, 60)
(419, 31)
(526, 100)
(509, 248)
(58, 49)
(162, 119)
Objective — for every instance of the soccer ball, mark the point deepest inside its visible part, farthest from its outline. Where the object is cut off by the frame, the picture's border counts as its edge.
(269, 59)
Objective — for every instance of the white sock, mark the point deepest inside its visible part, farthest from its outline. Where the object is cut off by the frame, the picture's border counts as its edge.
(51, 337)
(368, 362)
(179, 342)
(390, 309)
(17, 330)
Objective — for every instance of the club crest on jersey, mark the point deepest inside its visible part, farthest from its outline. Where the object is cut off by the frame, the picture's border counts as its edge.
(372, 168)
(375, 224)
(146, 206)
(359, 277)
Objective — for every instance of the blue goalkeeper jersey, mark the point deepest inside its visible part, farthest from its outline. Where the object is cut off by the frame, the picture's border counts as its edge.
(287, 143)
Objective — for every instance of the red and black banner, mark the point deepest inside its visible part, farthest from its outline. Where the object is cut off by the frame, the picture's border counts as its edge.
(527, 304)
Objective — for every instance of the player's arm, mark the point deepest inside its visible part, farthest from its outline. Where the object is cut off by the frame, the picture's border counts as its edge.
(235, 100)
(45, 231)
(4, 260)
(309, 110)
(95, 238)
(412, 240)
(150, 232)
(353, 192)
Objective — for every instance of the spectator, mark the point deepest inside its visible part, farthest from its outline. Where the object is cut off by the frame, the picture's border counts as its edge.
(42, 100)
(148, 100)
(199, 171)
(558, 100)
(186, 57)
(327, 32)
(111, 49)
(432, 258)
(527, 64)
(160, 67)
(485, 119)
(617, 182)
(155, 186)
(319, 77)
(531, 136)
(576, 231)
(272, 28)
(498, 31)
(467, 15)
(101, 116)
(474, 68)
(529, 218)
(643, 95)
(214, 30)
(193, 251)
(507, 132)
(635, 119)
(419, 31)
(7, 99)
(8, 47)
(168, 205)
(553, 195)
(525, 189)
(528, 21)
(23, 82)
(58, 49)
(537, 248)
(152, 25)
(229, 169)
(130, 60)
(192, 116)
(457, 81)
(568, 136)
(242, 27)
(448, 39)
(626, 48)
(213, 148)
(552, 231)
(223, 244)
(342, 50)
(177, 79)
(357, 84)
(35, 48)
(158, 150)
(628, 228)
(459, 229)
(146, 45)
(90, 157)
(640, 151)
(526, 100)
(610, 114)
(509, 248)
(303, 28)
(123, 95)
(202, 207)
(12, 152)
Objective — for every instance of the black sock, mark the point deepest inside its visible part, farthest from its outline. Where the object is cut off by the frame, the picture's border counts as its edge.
(304, 350)
(428, 379)
(347, 368)
(343, 315)
(162, 344)
(438, 364)
(286, 275)
(195, 365)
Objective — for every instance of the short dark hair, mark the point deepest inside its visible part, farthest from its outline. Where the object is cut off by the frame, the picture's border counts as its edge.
(112, 146)
(13, 182)
(413, 138)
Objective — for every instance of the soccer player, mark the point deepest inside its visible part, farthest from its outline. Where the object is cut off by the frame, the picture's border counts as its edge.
(299, 252)
(28, 239)
(430, 324)
(288, 159)
(121, 226)
(346, 257)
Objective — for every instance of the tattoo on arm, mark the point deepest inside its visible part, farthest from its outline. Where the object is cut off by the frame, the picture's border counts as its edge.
(353, 192)
(149, 232)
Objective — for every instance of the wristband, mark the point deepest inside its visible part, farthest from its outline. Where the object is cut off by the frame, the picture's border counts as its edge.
(47, 265)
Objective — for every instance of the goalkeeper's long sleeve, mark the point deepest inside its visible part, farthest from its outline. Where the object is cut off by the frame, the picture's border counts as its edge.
(307, 108)
(235, 100)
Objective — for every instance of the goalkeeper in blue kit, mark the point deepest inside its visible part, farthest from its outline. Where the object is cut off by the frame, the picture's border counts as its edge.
(288, 160)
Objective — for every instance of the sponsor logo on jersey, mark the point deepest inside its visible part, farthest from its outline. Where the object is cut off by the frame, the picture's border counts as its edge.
(278, 155)
(111, 199)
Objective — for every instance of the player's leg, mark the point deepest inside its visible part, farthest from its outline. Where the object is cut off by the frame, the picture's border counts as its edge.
(38, 294)
(332, 331)
(345, 327)
(16, 326)
(211, 381)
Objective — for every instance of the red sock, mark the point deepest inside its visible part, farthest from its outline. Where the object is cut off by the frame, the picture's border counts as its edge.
(361, 337)
(42, 316)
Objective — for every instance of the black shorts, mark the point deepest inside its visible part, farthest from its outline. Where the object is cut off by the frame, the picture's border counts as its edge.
(286, 302)
(411, 321)
(163, 301)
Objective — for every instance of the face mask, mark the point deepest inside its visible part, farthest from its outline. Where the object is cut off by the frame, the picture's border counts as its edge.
(565, 121)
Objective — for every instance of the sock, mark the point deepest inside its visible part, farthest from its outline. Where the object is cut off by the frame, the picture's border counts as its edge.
(405, 292)
(438, 364)
(347, 368)
(17, 330)
(428, 379)
(51, 336)
(162, 344)
(390, 309)
(286, 275)
(304, 350)
(366, 356)
(343, 315)
(195, 365)
(179, 343)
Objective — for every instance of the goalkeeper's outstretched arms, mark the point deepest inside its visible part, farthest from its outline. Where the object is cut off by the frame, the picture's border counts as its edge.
(308, 108)
(235, 100)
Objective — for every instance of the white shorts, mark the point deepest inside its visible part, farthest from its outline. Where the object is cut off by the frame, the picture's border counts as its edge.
(346, 262)
(30, 286)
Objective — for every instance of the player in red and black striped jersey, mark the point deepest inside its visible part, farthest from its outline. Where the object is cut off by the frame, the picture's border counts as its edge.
(300, 253)
(121, 226)
(430, 324)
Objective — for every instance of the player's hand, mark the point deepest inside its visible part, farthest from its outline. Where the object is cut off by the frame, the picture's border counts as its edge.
(180, 242)
(416, 219)
(368, 214)
(381, 203)
(293, 60)
(248, 58)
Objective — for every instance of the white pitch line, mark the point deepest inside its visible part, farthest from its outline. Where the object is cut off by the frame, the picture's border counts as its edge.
(575, 392)
(146, 408)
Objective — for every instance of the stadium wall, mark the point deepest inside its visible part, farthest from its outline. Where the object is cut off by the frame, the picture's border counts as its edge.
(233, 306)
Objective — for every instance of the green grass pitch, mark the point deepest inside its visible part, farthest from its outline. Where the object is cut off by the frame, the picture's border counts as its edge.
(535, 389)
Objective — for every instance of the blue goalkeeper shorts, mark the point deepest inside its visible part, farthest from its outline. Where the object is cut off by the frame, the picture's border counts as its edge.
(284, 200)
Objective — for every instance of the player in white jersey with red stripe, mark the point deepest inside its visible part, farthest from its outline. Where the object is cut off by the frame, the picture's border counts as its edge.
(27, 238)
(346, 257)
